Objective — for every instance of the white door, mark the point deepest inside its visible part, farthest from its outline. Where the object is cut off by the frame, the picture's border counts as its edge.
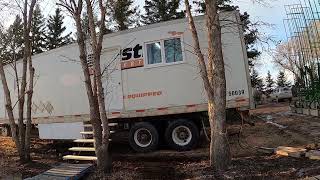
(111, 78)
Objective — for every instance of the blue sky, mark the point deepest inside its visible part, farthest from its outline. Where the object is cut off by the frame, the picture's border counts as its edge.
(273, 13)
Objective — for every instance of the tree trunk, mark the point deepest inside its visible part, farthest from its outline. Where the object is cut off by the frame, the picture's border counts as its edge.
(100, 149)
(94, 116)
(21, 136)
(96, 44)
(220, 157)
(213, 76)
(9, 109)
(25, 132)
(29, 114)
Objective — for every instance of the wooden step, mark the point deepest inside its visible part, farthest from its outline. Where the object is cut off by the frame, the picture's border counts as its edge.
(80, 158)
(91, 132)
(87, 132)
(110, 125)
(86, 140)
(87, 149)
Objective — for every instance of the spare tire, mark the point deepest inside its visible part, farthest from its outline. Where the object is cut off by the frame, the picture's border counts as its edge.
(143, 137)
(182, 135)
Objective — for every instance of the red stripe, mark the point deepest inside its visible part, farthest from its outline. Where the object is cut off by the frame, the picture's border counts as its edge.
(191, 105)
(78, 115)
(161, 109)
(45, 117)
(115, 113)
(60, 116)
(240, 100)
(140, 110)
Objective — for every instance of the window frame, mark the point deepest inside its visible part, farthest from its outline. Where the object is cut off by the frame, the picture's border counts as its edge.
(163, 54)
(146, 52)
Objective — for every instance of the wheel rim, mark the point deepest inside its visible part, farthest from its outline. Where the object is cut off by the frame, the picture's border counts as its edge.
(181, 135)
(142, 137)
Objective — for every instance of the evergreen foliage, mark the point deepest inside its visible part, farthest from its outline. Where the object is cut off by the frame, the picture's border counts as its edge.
(54, 36)
(256, 80)
(161, 10)
(250, 32)
(270, 82)
(123, 13)
(38, 38)
(282, 80)
(13, 39)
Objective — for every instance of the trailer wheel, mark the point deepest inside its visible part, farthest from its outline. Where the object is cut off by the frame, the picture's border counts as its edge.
(143, 137)
(182, 135)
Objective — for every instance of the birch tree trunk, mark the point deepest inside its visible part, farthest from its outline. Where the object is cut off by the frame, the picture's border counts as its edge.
(21, 135)
(103, 156)
(9, 109)
(94, 86)
(29, 112)
(27, 65)
(213, 76)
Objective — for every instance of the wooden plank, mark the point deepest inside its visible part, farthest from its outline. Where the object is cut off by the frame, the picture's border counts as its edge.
(87, 132)
(80, 158)
(290, 151)
(88, 149)
(84, 141)
(64, 172)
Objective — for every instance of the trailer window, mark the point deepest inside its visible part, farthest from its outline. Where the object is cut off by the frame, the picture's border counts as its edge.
(154, 53)
(173, 52)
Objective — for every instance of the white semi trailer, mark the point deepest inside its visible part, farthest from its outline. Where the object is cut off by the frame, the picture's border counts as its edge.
(152, 84)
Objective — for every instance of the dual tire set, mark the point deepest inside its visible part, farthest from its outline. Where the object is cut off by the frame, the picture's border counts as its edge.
(181, 135)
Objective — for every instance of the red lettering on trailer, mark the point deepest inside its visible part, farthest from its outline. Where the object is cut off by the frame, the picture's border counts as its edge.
(141, 110)
(141, 95)
(132, 64)
(175, 33)
(164, 108)
(241, 100)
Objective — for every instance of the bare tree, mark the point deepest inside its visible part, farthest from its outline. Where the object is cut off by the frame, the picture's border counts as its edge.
(94, 85)
(213, 76)
(21, 136)
(285, 56)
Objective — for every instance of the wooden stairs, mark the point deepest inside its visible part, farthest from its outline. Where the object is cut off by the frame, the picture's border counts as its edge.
(85, 150)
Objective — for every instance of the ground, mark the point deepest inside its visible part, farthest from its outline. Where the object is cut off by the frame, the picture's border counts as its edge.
(250, 160)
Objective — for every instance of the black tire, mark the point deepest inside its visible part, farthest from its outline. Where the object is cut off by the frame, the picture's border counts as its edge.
(186, 124)
(148, 129)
